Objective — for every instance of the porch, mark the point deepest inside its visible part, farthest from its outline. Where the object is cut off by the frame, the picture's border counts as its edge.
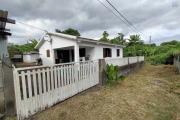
(73, 54)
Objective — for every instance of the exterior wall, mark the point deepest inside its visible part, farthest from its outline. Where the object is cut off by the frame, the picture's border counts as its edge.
(98, 54)
(96, 51)
(46, 60)
(30, 58)
(57, 42)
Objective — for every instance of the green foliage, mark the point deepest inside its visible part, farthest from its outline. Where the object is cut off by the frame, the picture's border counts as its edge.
(173, 42)
(20, 49)
(135, 40)
(162, 54)
(119, 39)
(112, 73)
(104, 37)
(69, 31)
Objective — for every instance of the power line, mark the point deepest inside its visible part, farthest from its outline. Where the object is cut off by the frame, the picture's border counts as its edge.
(21, 36)
(130, 23)
(38, 28)
(114, 14)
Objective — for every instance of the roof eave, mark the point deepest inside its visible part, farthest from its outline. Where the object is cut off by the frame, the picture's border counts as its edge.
(98, 42)
(63, 35)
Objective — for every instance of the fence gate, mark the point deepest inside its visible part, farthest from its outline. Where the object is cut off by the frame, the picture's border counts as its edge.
(37, 88)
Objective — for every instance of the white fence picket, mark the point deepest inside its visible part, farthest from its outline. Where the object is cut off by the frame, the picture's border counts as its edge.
(37, 88)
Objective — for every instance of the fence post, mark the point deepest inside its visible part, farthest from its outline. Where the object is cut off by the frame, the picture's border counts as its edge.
(9, 94)
(2, 106)
(102, 74)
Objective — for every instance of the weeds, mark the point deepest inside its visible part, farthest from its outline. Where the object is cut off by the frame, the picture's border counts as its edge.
(113, 76)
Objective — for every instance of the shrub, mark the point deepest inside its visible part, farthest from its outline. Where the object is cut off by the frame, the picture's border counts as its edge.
(112, 73)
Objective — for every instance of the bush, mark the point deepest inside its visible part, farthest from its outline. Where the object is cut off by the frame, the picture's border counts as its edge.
(162, 54)
(112, 73)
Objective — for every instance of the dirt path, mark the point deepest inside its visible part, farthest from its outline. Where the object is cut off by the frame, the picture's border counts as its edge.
(145, 95)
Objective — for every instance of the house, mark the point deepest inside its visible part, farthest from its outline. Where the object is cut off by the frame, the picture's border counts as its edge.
(30, 57)
(55, 48)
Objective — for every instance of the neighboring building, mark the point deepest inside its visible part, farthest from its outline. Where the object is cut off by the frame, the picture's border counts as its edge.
(17, 58)
(31, 57)
(57, 48)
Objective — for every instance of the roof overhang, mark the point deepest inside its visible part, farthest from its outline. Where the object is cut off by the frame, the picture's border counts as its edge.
(98, 42)
(63, 35)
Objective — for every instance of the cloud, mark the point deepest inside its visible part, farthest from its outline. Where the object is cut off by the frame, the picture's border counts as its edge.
(156, 18)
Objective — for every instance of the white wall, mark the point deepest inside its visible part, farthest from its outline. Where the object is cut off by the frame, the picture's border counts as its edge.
(57, 42)
(42, 51)
(98, 54)
(96, 51)
(30, 58)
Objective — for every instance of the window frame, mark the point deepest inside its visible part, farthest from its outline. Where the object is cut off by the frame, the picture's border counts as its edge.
(107, 52)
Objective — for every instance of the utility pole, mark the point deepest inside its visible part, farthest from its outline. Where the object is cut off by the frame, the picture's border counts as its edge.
(150, 39)
(6, 72)
(4, 33)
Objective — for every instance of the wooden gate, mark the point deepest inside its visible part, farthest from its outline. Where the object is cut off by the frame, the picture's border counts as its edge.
(37, 88)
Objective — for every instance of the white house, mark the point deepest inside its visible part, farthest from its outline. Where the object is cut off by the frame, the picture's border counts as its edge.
(30, 57)
(57, 48)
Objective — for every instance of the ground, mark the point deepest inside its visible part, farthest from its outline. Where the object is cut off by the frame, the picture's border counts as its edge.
(152, 93)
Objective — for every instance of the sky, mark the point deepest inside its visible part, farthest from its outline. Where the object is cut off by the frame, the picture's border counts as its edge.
(159, 19)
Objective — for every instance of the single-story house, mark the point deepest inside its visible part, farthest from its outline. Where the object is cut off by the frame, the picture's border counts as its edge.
(55, 48)
(30, 57)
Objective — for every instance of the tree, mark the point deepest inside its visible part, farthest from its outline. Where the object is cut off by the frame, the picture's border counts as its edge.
(69, 31)
(13, 50)
(58, 31)
(134, 40)
(119, 39)
(20, 49)
(104, 37)
(173, 42)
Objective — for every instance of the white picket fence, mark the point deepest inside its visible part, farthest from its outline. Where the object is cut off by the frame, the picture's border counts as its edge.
(124, 61)
(37, 88)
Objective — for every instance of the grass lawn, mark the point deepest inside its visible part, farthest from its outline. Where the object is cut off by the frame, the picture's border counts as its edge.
(149, 94)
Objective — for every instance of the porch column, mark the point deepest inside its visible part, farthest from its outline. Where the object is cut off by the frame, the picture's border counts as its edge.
(76, 53)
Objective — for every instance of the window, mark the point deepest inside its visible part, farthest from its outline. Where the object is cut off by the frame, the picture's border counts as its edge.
(106, 52)
(48, 53)
(118, 52)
